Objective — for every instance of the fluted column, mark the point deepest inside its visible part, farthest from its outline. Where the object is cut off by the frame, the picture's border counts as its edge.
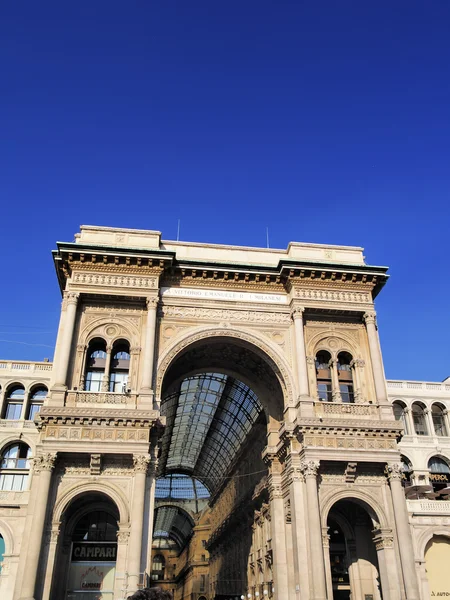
(405, 544)
(42, 465)
(319, 587)
(302, 368)
(64, 344)
(105, 380)
(141, 462)
(375, 356)
(149, 346)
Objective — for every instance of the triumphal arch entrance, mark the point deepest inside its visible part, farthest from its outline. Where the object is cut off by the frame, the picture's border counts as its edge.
(217, 423)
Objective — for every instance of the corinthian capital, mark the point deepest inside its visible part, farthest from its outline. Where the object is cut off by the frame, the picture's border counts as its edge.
(71, 297)
(141, 462)
(310, 468)
(44, 462)
(297, 312)
(152, 302)
(370, 317)
(395, 472)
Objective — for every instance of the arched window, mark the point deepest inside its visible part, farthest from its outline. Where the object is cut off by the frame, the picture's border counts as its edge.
(15, 467)
(323, 373)
(95, 365)
(120, 367)
(420, 423)
(14, 402)
(438, 420)
(400, 415)
(2, 551)
(439, 473)
(345, 377)
(37, 398)
(158, 567)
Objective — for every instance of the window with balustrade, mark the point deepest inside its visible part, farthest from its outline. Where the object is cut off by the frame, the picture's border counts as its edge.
(419, 419)
(120, 367)
(95, 365)
(15, 467)
(36, 401)
(345, 376)
(437, 414)
(15, 396)
(323, 374)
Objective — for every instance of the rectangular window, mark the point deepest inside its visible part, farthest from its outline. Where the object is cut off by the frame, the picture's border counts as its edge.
(13, 411)
(439, 425)
(346, 392)
(204, 543)
(419, 424)
(33, 410)
(202, 583)
(118, 382)
(94, 381)
(324, 392)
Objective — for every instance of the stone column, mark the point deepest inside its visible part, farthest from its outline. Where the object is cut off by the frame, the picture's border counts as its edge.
(375, 356)
(302, 369)
(151, 485)
(141, 462)
(336, 390)
(326, 551)
(64, 344)
(405, 544)
(299, 520)
(429, 421)
(410, 430)
(384, 544)
(105, 380)
(43, 465)
(278, 532)
(149, 347)
(446, 422)
(355, 365)
(310, 470)
(51, 560)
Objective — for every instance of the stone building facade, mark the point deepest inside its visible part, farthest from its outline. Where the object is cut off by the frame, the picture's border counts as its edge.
(216, 419)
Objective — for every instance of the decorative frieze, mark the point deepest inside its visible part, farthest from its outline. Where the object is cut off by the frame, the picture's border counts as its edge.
(336, 441)
(110, 280)
(221, 314)
(345, 409)
(333, 295)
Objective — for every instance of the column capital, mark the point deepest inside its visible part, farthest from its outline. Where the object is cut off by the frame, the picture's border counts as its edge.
(135, 350)
(310, 468)
(141, 462)
(44, 462)
(383, 538)
(395, 471)
(71, 297)
(152, 302)
(297, 312)
(370, 317)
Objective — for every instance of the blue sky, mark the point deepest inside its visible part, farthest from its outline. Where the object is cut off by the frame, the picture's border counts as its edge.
(325, 121)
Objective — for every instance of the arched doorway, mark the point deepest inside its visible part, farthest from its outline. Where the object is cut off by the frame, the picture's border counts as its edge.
(223, 404)
(87, 554)
(437, 560)
(354, 570)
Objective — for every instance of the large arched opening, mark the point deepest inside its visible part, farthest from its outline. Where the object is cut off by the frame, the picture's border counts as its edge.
(87, 549)
(353, 561)
(223, 400)
(437, 559)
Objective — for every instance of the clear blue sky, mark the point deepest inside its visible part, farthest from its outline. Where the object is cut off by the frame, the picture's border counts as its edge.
(327, 121)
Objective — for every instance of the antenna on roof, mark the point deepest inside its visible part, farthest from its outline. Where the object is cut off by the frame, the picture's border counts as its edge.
(178, 231)
(267, 236)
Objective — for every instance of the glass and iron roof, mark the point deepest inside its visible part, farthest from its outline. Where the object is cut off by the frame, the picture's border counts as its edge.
(208, 418)
(172, 523)
(180, 487)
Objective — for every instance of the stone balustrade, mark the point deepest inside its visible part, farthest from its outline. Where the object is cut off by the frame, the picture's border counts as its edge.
(426, 507)
(82, 398)
(419, 385)
(24, 366)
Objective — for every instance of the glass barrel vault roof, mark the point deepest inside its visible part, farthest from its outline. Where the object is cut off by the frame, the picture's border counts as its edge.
(208, 419)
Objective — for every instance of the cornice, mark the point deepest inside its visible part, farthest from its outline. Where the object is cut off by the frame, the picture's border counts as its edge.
(110, 417)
